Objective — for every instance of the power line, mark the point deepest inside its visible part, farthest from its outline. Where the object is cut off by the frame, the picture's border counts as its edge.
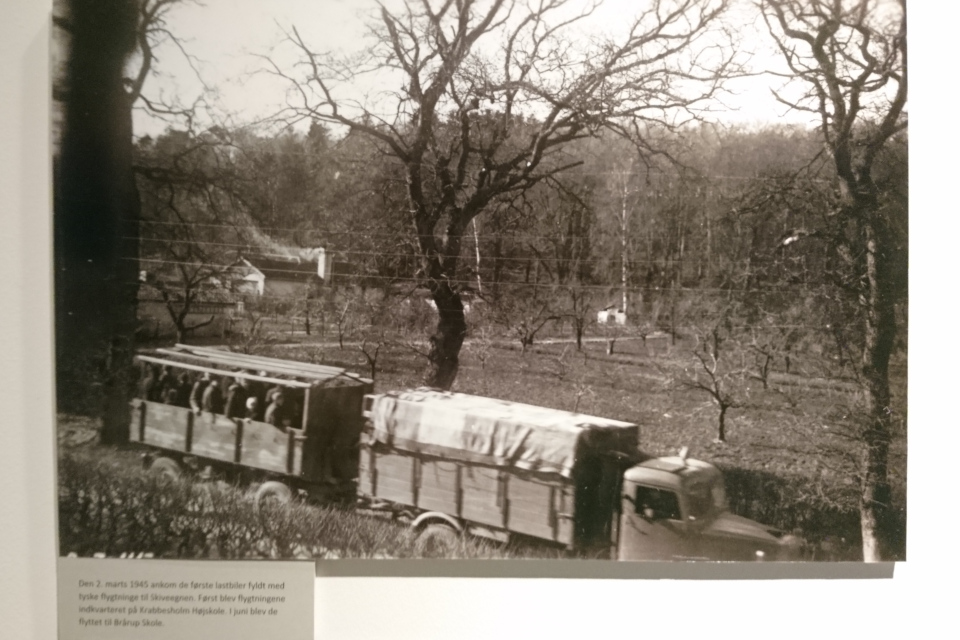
(506, 235)
(659, 176)
(470, 281)
(485, 258)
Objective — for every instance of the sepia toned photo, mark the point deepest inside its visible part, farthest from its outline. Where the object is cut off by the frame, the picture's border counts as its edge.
(615, 280)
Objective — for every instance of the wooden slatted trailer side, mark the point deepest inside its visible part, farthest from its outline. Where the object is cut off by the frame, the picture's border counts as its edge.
(332, 409)
(314, 456)
(213, 437)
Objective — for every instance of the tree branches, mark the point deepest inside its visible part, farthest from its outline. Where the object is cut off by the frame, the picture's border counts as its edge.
(489, 96)
(852, 56)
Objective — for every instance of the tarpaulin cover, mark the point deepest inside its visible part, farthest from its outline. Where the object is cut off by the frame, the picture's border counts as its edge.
(487, 430)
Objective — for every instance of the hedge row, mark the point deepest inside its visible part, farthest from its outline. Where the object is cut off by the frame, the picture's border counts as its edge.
(110, 510)
(113, 510)
(827, 517)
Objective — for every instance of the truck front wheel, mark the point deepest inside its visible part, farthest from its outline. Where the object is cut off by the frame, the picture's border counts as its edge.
(437, 541)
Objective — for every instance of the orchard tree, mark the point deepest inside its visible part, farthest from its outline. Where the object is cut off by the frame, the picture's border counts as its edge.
(851, 59)
(482, 98)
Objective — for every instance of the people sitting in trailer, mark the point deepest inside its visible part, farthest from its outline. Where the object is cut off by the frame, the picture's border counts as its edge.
(196, 394)
(272, 392)
(253, 408)
(184, 386)
(212, 398)
(165, 382)
(276, 413)
(257, 389)
(170, 395)
(237, 395)
(147, 381)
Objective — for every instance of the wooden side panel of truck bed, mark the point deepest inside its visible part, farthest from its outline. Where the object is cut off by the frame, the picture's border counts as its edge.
(388, 476)
(214, 437)
(540, 509)
(483, 498)
(268, 448)
(439, 486)
(253, 444)
(162, 425)
(477, 494)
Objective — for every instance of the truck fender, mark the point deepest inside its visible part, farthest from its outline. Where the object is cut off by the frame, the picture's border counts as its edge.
(435, 516)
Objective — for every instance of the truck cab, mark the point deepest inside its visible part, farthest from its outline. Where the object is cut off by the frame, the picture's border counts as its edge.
(676, 509)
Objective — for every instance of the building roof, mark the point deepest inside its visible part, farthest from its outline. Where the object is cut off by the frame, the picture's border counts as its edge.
(289, 269)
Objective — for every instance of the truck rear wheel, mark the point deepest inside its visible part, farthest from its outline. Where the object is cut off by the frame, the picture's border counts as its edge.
(274, 493)
(437, 541)
(165, 469)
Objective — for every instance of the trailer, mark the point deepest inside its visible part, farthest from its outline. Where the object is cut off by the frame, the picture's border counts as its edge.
(317, 455)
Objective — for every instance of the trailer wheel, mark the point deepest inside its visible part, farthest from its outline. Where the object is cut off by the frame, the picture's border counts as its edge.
(166, 469)
(272, 492)
(437, 541)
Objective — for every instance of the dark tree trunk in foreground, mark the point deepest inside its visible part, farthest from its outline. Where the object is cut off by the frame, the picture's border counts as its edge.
(446, 341)
(95, 212)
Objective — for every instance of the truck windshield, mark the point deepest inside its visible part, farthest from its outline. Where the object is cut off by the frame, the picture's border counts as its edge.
(705, 496)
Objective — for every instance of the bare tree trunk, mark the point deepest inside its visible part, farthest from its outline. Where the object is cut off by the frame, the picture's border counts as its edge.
(96, 212)
(445, 343)
(879, 329)
(623, 247)
(476, 246)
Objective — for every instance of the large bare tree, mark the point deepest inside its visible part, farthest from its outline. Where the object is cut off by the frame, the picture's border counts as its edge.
(851, 58)
(479, 98)
(96, 204)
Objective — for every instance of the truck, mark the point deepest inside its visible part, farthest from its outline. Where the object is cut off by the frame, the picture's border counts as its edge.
(451, 464)
(496, 469)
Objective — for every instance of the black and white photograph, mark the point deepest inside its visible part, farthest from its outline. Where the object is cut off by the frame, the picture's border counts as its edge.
(565, 280)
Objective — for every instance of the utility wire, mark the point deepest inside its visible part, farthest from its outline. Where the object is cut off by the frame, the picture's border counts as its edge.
(471, 281)
(485, 258)
(506, 235)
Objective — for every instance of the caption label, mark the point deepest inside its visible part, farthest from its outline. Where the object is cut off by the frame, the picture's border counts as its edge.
(180, 599)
